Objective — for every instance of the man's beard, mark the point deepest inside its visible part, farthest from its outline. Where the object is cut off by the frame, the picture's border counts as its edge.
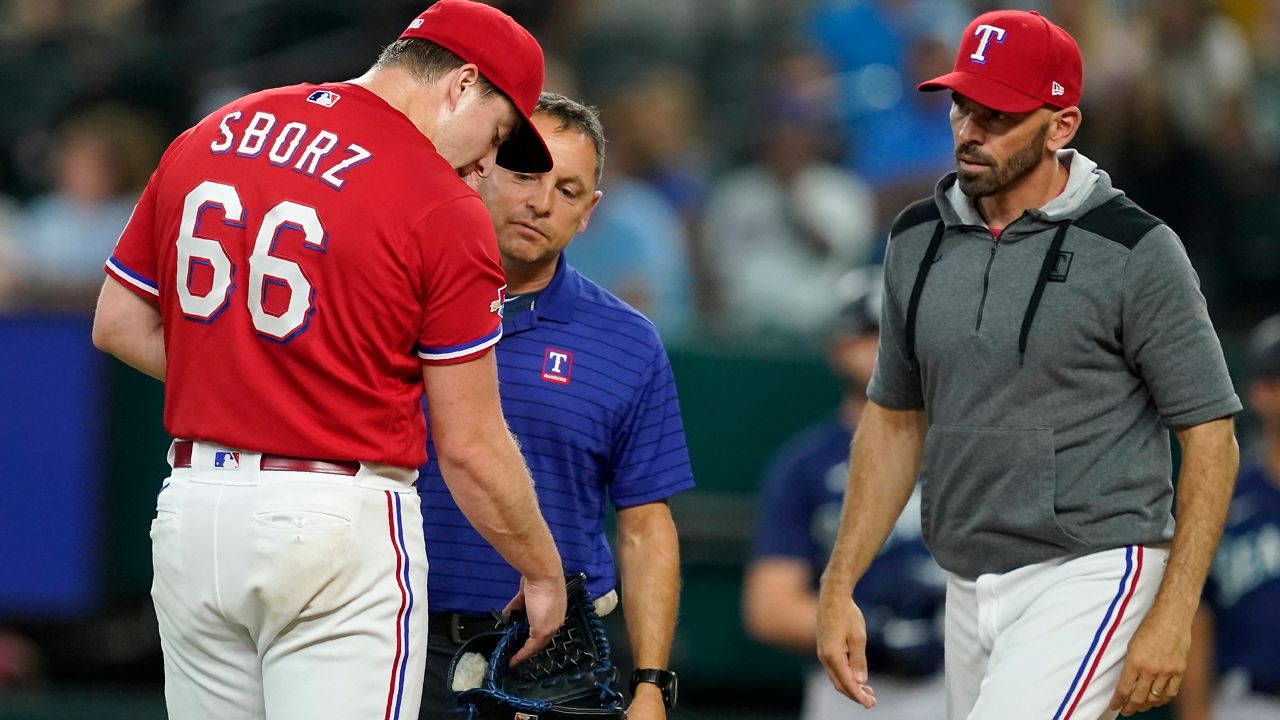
(999, 176)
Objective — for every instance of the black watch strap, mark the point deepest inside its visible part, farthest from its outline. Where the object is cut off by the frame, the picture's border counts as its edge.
(664, 679)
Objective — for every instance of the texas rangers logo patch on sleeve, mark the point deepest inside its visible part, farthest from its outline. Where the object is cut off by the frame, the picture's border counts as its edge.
(496, 305)
(326, 98)
(557, 366)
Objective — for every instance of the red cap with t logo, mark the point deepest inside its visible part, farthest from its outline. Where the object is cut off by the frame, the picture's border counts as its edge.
(506, 54)
(1015, 61)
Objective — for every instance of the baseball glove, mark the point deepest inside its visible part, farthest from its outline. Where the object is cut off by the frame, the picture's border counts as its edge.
(572, 677)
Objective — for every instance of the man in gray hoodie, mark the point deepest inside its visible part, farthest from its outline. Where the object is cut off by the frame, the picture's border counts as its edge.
(1041, 335)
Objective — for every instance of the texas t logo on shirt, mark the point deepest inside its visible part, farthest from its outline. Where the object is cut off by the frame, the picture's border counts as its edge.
(557, 366)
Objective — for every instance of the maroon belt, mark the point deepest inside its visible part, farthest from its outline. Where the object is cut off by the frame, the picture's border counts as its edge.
(182, 459)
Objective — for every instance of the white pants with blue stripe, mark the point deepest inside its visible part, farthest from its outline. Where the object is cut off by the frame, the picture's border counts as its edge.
(289, 595)
(1046, 641)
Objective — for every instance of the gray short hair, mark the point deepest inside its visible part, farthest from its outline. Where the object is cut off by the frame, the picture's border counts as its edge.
(573, 115)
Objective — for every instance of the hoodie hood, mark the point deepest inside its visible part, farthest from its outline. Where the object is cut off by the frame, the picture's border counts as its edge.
(1088, 187)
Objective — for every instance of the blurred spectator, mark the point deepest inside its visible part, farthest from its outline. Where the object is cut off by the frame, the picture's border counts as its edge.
(1203, 70)
(654, 132)
(881, 49)
(909, 146)
(21, 666)
(1184, 149)
(101, 162)
(636, 245)
(59, 51)
(1116, 53)
(1266, 85)
(1233, 671)
(902, 593)
(635, 248)
(9, 213)
(656, 121)
(782, 232)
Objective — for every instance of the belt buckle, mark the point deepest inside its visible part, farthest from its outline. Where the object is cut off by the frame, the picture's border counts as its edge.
(455, 628)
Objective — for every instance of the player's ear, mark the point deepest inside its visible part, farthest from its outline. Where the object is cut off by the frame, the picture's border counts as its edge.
(461, 81)
(1063, 125)
(586, 218)
(469, 79)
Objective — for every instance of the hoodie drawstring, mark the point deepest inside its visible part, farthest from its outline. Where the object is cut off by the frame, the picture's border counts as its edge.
(927, 262)
(1046, 268)
(913, 305)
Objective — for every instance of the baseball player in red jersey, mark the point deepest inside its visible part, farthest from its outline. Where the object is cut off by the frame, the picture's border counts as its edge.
(302, 263)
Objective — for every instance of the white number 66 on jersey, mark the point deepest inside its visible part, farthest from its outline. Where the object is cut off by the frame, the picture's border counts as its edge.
(264, 267)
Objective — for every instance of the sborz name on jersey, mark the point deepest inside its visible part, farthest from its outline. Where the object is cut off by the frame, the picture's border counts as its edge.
(290, 144)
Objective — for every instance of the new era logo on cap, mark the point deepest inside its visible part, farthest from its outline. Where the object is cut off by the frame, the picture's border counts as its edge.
(1004, 59)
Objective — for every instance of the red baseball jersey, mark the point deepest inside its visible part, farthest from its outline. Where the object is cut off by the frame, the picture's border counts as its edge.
(308, 249)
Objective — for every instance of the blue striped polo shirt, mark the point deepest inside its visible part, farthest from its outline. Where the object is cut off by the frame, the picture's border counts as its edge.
(587, 389)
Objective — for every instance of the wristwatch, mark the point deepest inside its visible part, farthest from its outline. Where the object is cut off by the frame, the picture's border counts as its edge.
(664, 679)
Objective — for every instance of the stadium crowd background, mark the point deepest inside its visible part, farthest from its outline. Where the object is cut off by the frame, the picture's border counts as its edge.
(758, 150)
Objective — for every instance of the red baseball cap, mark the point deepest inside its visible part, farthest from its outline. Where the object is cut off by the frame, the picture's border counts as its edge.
(1015, 61)
(506, 54)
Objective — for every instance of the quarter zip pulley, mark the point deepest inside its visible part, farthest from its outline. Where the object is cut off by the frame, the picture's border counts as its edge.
(986, 282)
(927, 262)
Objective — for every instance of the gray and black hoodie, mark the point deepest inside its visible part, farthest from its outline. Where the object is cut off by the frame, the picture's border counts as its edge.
(1050, 364)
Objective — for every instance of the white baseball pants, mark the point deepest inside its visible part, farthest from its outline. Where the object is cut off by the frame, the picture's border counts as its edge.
(1046, 641)
(289, 595)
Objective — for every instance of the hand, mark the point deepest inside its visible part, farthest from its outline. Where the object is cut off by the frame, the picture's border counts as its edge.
(544, 602)
(842, 646)
(647, 704)
(1153, 667)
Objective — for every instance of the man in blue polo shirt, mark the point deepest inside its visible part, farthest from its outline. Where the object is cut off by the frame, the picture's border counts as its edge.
(588, 391)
